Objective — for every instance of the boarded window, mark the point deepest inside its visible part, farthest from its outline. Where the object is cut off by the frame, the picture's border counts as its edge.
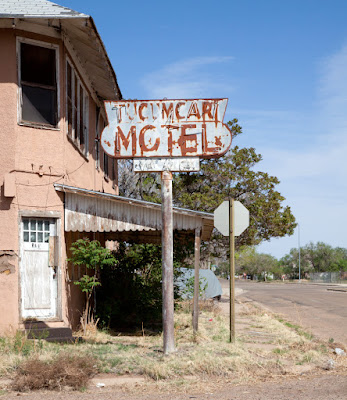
(76, 109)
(38, 80)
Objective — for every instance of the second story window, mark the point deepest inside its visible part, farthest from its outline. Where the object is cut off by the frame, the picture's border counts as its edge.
(97, 153)
(97, 138)
(77, 110)
(106, 173)
(38, 83)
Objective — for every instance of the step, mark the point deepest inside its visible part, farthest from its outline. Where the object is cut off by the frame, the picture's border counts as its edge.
(41, 330)
(42, 324)
(48, 333)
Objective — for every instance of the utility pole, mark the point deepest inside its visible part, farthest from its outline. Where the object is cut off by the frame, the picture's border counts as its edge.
(299, 252)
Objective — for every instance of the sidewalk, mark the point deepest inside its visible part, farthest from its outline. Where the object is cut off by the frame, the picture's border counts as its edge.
(341, 287)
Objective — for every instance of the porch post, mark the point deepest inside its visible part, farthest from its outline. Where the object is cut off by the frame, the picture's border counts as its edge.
(167, 262)
(196, 279)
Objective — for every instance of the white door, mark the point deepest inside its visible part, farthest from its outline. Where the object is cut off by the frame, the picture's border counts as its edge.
(38, 280)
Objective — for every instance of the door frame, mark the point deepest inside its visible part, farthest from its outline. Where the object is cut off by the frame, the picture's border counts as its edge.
(57, 216)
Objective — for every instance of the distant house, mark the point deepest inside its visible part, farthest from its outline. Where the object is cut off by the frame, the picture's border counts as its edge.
(57, 184)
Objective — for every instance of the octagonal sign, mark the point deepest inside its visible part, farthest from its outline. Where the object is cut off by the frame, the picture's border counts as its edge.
(221, 218)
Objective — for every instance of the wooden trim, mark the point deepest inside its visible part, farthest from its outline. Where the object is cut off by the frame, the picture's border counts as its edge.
(57, 217)
(38, 85)
(60, 234)
(39, 214)
(39, 43)
(31, 27)
(85, 111)
(77, 65)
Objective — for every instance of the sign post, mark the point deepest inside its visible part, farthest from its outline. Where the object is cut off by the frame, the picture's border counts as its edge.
(167, 262)
(197, 243)
(236, 222)
(167, 136)
(232, 268)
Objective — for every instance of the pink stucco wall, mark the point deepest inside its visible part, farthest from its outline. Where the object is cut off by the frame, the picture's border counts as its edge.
(8, 208)
(37, 158)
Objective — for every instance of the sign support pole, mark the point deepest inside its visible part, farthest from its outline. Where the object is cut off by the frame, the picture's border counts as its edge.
(167, 262)
(232, 269)
(197, 244)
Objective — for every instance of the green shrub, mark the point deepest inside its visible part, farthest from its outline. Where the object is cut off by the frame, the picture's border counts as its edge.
(131, 295)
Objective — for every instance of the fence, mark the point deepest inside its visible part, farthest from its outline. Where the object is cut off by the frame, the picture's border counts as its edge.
(327, 277)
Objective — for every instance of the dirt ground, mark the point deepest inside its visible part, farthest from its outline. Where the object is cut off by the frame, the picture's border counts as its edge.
(324, 387)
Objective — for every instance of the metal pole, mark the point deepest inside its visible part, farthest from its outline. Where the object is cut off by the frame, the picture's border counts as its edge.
(299, 252)
(167, 263)
(196, 279)
(232, 270)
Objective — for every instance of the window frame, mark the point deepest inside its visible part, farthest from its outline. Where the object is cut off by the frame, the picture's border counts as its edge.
(76, 108)
(113, 171)
(47, 45)
(106, 166)
(97, 137)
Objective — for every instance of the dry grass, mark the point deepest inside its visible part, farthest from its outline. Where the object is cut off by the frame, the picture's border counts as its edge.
(204, 305)
(15, 348)
(64, 371)
(209, 353)
(266, 346)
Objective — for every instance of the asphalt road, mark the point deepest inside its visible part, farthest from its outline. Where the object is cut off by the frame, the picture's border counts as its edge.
(321, 311)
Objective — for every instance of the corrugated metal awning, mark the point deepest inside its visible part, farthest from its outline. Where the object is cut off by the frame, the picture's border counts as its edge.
(91, 211)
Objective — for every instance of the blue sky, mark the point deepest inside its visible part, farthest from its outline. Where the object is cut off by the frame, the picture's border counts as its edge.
(283, 66)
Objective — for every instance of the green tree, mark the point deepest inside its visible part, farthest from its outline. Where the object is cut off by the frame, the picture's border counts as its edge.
(234, 176)
(340, 262)
(315, 257)
(131, 292)
(290, 263)
(249, 261)
(223, 269)
(94, 257)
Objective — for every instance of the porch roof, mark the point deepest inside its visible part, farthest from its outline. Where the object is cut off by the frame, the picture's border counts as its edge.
(121, 217)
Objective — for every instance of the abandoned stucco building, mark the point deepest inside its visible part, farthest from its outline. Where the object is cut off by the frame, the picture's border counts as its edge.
(56, 182)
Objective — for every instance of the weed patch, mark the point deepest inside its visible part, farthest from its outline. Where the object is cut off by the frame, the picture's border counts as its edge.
(298, 329)
(65, 370)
